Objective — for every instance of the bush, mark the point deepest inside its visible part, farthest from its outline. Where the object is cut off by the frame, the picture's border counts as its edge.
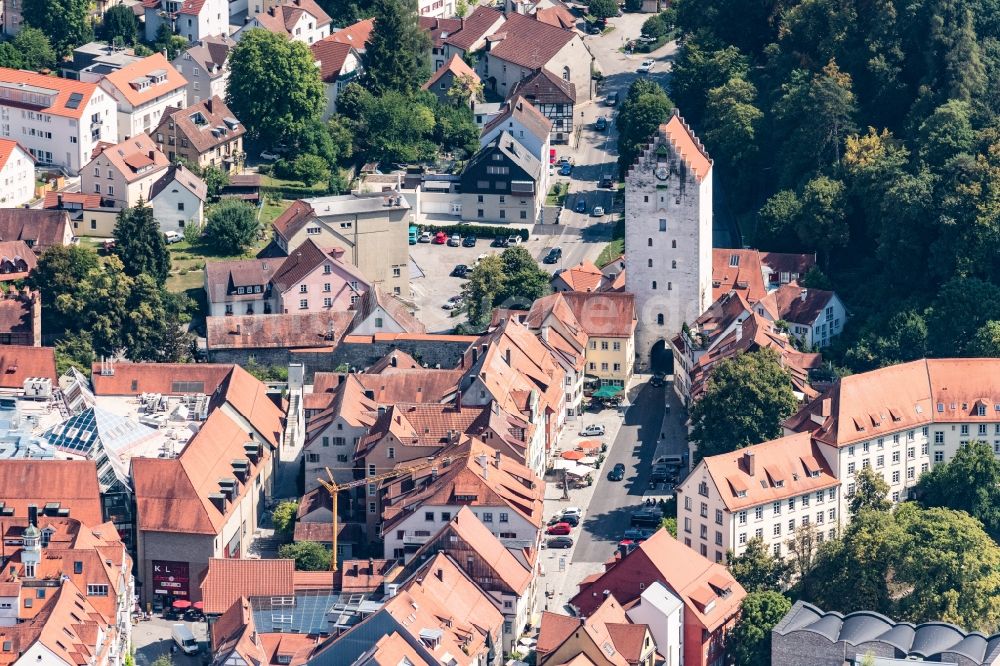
(232, 226)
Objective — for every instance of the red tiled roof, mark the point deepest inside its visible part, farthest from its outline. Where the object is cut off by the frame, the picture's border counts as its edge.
(796, 304)
(558, 15)
(18, 363)
(523, 111)
(7, 147)
(297, 330)
(737, 270)
(544, 87)
(357, 35)
(293, 218)
(474, 27)
(439, 28)
(456, 66)
(63, 89)
(687, 146)
(41, 229)
(123, 79)
(603, 314)
(529, 43)
(331, 54)
(229, 579)
(83, 200)
(132, 155)
(585, 276)
(71, 483)
(128, 378)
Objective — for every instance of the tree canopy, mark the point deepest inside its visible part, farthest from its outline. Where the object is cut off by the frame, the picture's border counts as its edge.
(308, 555)
(396, 54)
(232, 226)
(274, 87)
(745, 400)
(870, 493)
(119, 23)
(645, 106)
(511, 279)
(66, 23)
(968, 482)
(749, 644)
(139, 243)
(756, 568)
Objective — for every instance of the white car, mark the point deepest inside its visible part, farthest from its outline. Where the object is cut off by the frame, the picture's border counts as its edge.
(425, 237)
(452, 303)
(595, 430)
(646, 66)
(572, 511)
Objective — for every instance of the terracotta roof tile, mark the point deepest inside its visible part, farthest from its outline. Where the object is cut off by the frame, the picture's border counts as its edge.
(738, 270)
(524, 112)
(298, 330)
(307, 258)
(475, 27)
(71, 200)
(40, 229)
(71, 483)
(440, 28)
(7, 147)
(687, 146)
(603, 314)
(229, 579)
(796, 304)
(127, 80)
(554, 630)
(224, 278)
(293, 218)
(127, 378)
(207, 124)
(392, 306)
(180, 174)
(456, 66)
(331, 55)
(18, 363)
(585, 276)
(62, 90)
(529, 43)
(392, 650)
(135, 158)
(356, 35)
(558, 15)
(544, 87)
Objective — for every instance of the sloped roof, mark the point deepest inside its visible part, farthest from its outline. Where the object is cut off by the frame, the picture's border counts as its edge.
(687, 146)
(529, 43)
(292, 219)
(83, 200)
(558, 15)
(207, 124)
(544, 87)
(41, 229)
(603, 314)
(474, 27)
(127, 378)
(376, 298)
(295, 330)
(19, 362)
(210, 54)
(136, 157)
(331, 55)
(585, 276)
(439, 28)
(7, 148)
(796, 304)
(456, 66)
(523, 112)
(357, 34)
(506, 143)
(184, 177)
(71, 483)
(737, 270)
(227, 580)
(141, 70)
(62, 90)
(308, 257)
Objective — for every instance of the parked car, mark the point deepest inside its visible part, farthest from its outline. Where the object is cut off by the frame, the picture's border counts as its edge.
(566, 169)
(460, 271)
(452, 303)
(598, 211)
(581, 205)
(594, 430)
(612, 99)
(646, 66)
(601, 124)
(606, 182)
(637, 534)
(498, 241)
(425, 237)
(656, 381)
(173, 237)
(270, 157)
(617, 472)
(455, 240)
(646, 518)
(513, 240)
(570, 519)
(469, 241)
(553, 256)
(661, 474)
(564, 160)
(594, 30)
(480, 258)
(572, 511)
(561, 529)
(560, 542)
(440, 238)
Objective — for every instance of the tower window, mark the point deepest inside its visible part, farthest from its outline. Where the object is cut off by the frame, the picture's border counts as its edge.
(673, 244)
(673, 264)
(659, 319)
(654, 284)
(649, 242)
(670, 286)
(649, 263)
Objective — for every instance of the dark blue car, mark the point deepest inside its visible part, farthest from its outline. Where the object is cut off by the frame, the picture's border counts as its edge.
(581, 205)
(566, 169)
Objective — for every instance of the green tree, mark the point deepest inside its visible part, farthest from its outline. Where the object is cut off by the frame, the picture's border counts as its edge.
(756, 568)
(139, 243)
(602, 9)
(10, 57)
(59, 272)
(732, 121)
(396, 58)
(523, 281)
(120, 25)
(215, 179)
(749, 644)
(777, 221)
(654, 27)
(871, 492)
(395, 128)
(154, 323)
(745, 401)
(823, 221)
(946, 133)
(670, 525)
(697, 70)
(961, 307)
(167, 41)
(465, 90)
(163, 660)
(66, 23)
(284, 516)
(75, 350)
(986, 341)
(644, 109)
(341, 140)
(232, 226)
(308, 555)
(456, 129)
(480, 292)
(968, 482)
(310, 169)
(274, 87)
(34, 48)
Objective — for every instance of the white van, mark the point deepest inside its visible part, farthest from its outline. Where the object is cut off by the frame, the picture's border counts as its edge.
(184, 638)
(670, 461)
(173, 237)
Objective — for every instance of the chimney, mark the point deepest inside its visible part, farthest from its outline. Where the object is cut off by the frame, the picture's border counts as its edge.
(458, 400)
(219, 500)
(356, 568)
(826, 407)
(434, 473)
(208, 105)
(803, 293)
(475, 355)
(270, 10)
(59, 200)
(36, 319)
(33, 515)
(748, 464)
(393, 362)
(371, 566)
(239, 330)
(440, 574)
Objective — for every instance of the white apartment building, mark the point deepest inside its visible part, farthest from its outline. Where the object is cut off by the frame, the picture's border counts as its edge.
(143, 90)
(58, 121)
(192, 19)
(125, 172)
(766, 491)
(17, 174)
(814, 316)
(668, 232)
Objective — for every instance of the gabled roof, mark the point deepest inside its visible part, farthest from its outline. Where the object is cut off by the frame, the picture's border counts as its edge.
(375, 299)
(440, 28)
(223, 277)
(41, 229)
(544, 87)
(145, 80)
(558, 15)
(64, 97)
(227, 580)
(8, 148)
(738, 270)
(357, 34)
(307, 258)
(425, 424)
(710, 593)
(70, 483)
(17, 260)
(210, 54)
(207, 124)
(456, 66)
(585, 277)
(527, 42)
(796, 304)
(775, 470)
(183, 177)
(331, 55)
(603, 314)
(294, 330)
(71, 200)
(474, 27)
(511, 148)
(19, 362)
(234, 632)
(687, 146)
(348, 402)
(131, 379)
(136, 157)
(517, 109)
(282, 17)
(294, 217)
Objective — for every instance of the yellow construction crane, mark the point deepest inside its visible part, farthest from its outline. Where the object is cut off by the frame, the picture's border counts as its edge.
(334, 488)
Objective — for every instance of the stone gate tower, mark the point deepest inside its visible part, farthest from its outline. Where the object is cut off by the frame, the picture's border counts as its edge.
(668, 235)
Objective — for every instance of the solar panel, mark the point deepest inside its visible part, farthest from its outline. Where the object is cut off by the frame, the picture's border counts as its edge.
(74, 101)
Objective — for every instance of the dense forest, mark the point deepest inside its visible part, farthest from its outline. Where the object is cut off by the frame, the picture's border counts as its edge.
(867, 131)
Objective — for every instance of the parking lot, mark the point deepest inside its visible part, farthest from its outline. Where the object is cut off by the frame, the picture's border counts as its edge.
(151, 639)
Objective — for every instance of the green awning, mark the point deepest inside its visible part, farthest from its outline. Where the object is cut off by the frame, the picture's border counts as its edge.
(607, 391)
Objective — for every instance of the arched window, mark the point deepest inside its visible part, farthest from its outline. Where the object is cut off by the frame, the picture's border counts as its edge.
(654, 284)
(649, 263)
(659, 319)
(673, 264)
(565, 73)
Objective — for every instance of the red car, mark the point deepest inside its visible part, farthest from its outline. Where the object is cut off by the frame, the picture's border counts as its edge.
(440, 238)
(561, 529)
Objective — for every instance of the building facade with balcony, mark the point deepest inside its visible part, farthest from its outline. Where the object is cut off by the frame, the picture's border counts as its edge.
(143, 91)
(206, 134)
(58, 121)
